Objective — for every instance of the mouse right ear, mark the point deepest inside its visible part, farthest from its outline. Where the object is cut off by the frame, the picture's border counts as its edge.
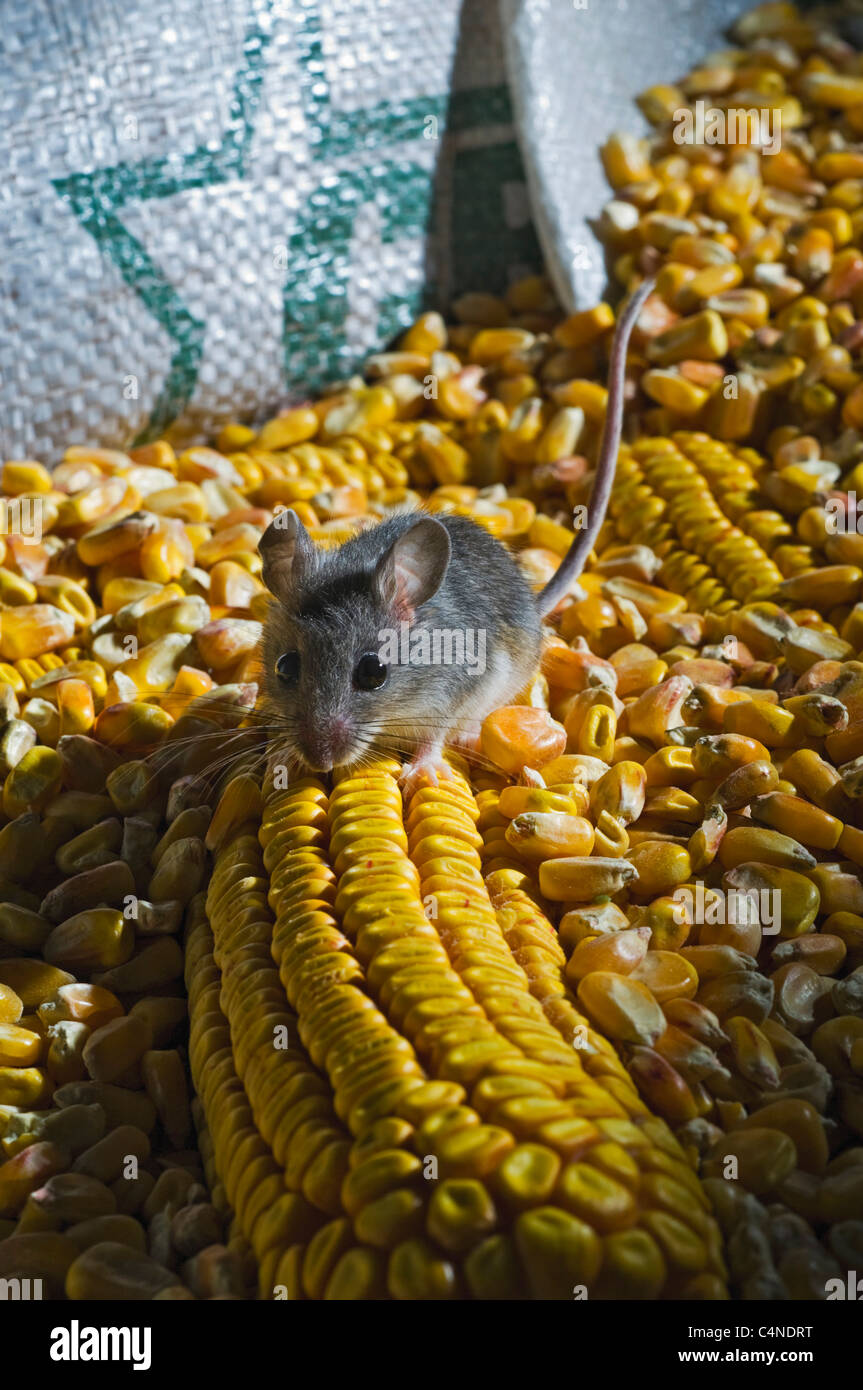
(412, 570)
(288, 553)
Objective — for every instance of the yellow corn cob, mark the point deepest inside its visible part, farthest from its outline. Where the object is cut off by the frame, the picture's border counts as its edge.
(453, 1091)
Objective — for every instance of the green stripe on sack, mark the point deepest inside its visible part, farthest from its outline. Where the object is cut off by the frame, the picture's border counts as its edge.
(478, 106)
(94, 197)
(165, 305)
(489, 239)
(319, 259)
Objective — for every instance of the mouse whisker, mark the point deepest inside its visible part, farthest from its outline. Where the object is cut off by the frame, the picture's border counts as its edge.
(252, 731)
(200, 739)
(215, 776)
(234, 748)
(211, 711)
(182, 745)
(206, 696)
(438, 727)
(168, 755)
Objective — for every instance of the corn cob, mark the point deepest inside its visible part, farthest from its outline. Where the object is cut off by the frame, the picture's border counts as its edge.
(392, 1184)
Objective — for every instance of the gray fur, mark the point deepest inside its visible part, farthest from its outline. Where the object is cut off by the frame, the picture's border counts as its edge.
(332, 609)
(334, 612)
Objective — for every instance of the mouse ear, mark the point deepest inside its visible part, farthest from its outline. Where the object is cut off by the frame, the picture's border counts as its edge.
(288, 553)
(411, 571)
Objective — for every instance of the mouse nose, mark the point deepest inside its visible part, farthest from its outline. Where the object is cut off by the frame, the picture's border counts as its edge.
(317, 757)
(327, 747)
(318, 766)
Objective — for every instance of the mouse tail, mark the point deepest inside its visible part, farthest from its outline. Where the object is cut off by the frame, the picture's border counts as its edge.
(576, 557)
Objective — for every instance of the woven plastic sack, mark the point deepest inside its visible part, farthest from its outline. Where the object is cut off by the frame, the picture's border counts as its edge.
(211, 207)
(576, 68)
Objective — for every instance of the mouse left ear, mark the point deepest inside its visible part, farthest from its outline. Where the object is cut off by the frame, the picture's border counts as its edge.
(412, 570)
(288, 553)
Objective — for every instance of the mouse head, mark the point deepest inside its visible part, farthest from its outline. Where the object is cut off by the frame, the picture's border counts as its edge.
(329, 682)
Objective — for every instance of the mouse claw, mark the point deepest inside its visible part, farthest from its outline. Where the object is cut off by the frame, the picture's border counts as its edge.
(426, 769)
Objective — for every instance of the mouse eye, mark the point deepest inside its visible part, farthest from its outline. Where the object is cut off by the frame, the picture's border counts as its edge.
(288, 666)
(370, 672)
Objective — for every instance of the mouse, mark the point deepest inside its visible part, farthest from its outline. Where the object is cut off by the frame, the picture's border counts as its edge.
(404, 638)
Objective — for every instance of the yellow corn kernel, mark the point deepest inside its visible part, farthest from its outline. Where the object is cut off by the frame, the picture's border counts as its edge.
(30, 629)
(673, 391)
(75, 707)
(19, 1047)
(541, 835)
(624, 160)
(519, 440)
(659, 866)
(670, 767)
(24, 1088)
(15, 590)
(701, 336)
(620, 792)
(96, 939)
(32, 782)
(587, 396)
(667, 975)
(619, 952)
(583, 880)
(741, 845)
(791, 815)
(832, 89)
(770, 725)
(294, 427)
(622, 1007)
(428, 334)
(132, 727)
(448, 461)
(583, 328)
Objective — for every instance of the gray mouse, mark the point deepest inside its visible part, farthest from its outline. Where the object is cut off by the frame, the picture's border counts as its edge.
(408, 635)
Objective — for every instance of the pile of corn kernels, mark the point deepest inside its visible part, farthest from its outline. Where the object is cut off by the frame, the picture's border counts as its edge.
(697, 723)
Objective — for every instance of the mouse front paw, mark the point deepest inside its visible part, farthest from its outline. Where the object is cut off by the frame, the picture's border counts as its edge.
(428, 769)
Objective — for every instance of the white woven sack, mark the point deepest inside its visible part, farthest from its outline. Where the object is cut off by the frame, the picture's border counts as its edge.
(210, 207)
